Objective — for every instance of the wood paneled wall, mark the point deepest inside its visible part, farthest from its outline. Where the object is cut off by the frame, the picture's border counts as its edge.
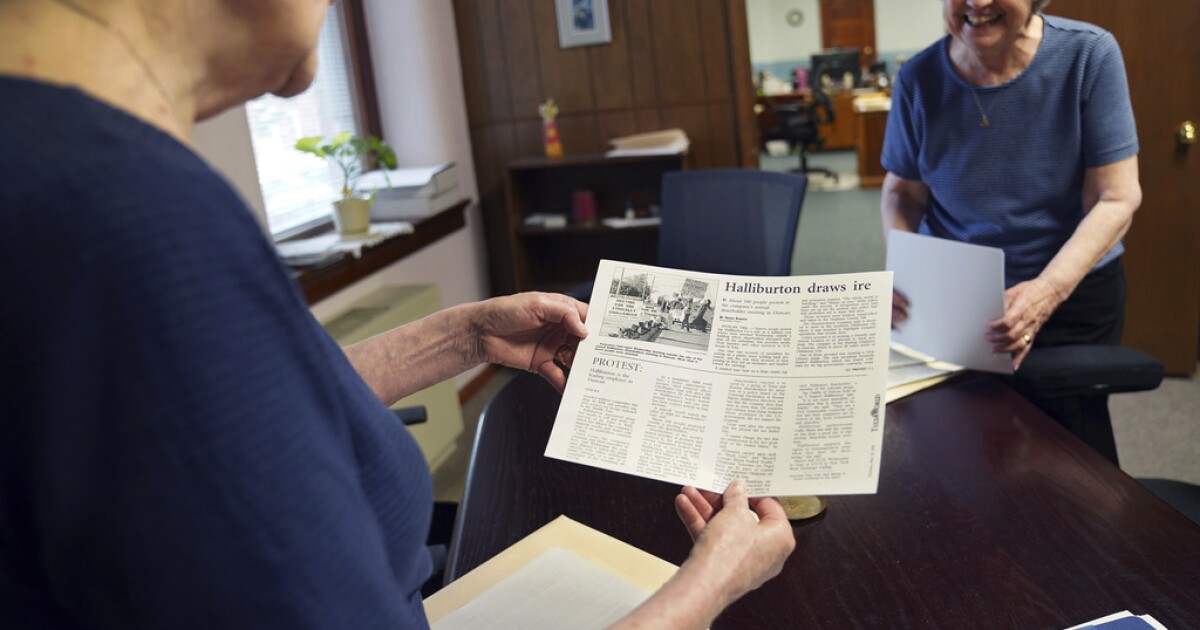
(671, 63)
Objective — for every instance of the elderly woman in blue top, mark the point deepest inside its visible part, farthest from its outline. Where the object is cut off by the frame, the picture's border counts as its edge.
(181, 444)
(1015, 131)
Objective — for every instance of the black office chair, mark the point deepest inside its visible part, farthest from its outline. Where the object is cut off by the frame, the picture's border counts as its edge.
(444, 513)
(798, 127)
(1071, 384)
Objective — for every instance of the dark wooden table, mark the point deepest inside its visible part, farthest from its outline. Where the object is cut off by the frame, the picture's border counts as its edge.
(988, 515)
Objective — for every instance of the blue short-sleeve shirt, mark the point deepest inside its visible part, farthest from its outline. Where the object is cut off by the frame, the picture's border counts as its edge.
(1016, 184)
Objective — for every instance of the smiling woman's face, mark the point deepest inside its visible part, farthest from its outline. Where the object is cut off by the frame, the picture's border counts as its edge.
(986, 25)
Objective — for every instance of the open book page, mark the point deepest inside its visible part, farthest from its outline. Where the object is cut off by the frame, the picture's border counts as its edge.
(628, 565)
(559, 589)
(695, 378)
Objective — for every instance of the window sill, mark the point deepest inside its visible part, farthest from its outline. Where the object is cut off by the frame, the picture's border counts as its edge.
(318, 283)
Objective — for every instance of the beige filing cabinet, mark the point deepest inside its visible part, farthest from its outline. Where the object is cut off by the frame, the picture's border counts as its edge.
(381, 311)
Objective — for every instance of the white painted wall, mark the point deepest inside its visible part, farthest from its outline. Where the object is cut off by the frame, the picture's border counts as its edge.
(907, 24)
(773, 39)
(414, 48)
(225, 142)
(900, 25)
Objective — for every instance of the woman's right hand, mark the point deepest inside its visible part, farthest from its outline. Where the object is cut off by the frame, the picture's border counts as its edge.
(736, 550)
(747, 547)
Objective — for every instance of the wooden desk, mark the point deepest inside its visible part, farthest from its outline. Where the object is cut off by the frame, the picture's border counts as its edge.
(871, 127)
(988, 515)
(839, 134)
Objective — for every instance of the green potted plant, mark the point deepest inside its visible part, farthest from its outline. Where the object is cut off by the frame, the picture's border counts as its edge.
(352, 213)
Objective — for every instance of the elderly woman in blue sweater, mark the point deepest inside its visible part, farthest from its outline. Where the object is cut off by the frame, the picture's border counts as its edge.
(181, 444)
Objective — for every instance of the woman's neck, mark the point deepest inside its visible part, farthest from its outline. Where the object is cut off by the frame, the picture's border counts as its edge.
(105, 51)
(1000, 64)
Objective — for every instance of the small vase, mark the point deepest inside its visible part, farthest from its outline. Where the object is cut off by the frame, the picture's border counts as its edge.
(352, 217)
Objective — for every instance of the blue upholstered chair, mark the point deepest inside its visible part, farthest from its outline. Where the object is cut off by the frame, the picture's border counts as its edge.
(730, 220)
(735, 221)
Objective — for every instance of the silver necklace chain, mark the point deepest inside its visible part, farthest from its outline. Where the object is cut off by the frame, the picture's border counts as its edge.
(112, 28)
(983, 118)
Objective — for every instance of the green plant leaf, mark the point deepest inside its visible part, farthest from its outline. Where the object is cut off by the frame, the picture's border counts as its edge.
(341, 139)
(311, 144)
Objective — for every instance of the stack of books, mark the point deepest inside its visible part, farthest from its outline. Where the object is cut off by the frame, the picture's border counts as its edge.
(411, 193)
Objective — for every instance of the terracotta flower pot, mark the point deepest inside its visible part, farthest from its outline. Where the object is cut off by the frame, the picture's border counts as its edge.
(352, 217)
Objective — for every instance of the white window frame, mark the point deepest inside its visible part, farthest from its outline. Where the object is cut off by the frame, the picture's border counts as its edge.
(297, 188)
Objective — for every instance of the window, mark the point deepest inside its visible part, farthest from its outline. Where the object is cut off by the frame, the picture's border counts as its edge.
(297, 188)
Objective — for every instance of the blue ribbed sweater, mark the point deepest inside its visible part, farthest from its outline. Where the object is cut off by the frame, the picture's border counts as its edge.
(181, 444)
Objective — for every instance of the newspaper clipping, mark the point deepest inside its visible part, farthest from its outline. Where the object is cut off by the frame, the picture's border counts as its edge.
(698, 379)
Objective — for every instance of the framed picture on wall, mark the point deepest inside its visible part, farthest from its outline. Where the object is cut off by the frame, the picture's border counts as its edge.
(582, 22)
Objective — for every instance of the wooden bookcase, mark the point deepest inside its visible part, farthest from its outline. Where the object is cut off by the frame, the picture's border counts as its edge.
(555, 259)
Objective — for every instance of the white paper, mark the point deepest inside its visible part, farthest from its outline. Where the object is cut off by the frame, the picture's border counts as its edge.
(401, 177)
(558, 589)
(778, 381)
(1099, 623)
(668, 142)
(620, 222)
(953, 289)
(907, 366)
(333, 242)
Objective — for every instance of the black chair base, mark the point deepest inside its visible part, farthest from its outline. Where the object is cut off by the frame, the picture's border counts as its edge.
(816, 169)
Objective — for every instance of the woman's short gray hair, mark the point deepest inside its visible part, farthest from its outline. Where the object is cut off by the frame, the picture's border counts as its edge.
(1039, 5)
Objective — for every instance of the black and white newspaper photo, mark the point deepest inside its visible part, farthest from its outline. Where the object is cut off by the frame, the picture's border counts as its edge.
(698, 379)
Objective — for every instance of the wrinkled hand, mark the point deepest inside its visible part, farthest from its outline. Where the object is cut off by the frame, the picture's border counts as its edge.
(1027, 306)
(746, 550)
(524, 330)
(900, 307)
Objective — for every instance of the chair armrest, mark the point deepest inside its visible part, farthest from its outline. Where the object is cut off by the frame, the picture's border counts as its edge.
(411, 415)
(1088, 370)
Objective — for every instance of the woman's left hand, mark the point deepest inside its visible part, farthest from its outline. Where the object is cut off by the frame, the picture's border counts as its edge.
(525, 330)
(1027, 306)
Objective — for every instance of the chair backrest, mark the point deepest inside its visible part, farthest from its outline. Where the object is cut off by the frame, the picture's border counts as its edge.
(735, 221)
(796, 124)
(822, 106)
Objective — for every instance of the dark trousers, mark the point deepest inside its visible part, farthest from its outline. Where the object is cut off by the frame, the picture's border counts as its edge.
(1094, 314)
